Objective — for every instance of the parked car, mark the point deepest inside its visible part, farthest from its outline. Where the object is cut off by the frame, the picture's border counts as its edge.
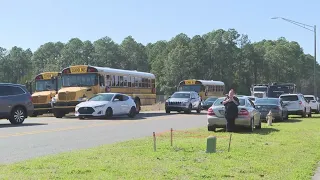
(183, 101)
(208, 102)
(296, 104)
(278, 109)
(15, 103)
(248, 116)
(313, 103)
(252, 98)
(106, 105)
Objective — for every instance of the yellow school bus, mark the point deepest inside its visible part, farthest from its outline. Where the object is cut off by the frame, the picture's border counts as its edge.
(46, 86)
(204, 88)
(81, 82)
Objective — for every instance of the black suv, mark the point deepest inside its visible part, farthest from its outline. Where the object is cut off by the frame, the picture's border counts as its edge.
(15, 102)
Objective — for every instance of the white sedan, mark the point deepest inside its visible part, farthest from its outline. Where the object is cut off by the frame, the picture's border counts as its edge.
(248, 116)
(313, 103)
(106, 105)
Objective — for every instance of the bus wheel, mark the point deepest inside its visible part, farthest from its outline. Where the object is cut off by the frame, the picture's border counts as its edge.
(34, 114)
(138, 106)
(58, 114)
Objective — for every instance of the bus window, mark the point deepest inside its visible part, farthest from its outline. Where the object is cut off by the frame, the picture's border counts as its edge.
(125, 81)
(121, 81)
(132, 81)
(101, 78)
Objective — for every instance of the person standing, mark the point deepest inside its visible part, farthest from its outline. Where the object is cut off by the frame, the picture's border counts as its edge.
(231, 104)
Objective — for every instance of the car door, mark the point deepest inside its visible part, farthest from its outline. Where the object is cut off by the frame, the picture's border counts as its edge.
(4, 101)
(306, 104)
(196, 100)
(116, 104)
(284, 109)
(192, 100)
(125, 106)
(255, 112)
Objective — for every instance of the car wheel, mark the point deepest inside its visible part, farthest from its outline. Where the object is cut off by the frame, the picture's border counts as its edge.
(281, 118)
(258, 126)
(199, 109)
(211, 128)
(17, 116)
(251, 128)
(138, 106)
(287, 116)
(317, 111)
(189, 109)
(303, 114)
(310, 113)
(132, 112)
(108, 113)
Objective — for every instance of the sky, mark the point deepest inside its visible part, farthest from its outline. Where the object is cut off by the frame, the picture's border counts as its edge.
(29, 24)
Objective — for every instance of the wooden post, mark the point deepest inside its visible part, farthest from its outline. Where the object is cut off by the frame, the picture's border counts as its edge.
(154, 141)
(171, 136)
(229, 142)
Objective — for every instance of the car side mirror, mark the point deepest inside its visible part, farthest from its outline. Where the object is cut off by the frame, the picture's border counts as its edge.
(115, 100)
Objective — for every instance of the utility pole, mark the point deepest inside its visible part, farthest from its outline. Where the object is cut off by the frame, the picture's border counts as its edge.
(314, 30)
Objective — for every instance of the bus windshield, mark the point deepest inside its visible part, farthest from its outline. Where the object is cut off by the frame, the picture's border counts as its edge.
(45, 85)
(195, 88)
(79, 80)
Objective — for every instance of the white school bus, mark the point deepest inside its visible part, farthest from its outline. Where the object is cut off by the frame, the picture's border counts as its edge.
(205, 88)
(81, 82)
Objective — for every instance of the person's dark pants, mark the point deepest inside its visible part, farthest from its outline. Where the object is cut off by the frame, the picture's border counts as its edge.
(230, 126)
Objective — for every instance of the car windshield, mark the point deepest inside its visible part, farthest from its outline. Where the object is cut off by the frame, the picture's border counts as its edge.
(260, 89)
(101, 97)
(79, 80)
(181, 95)
(309, 98)
(267, 101)
(211, 99)
(289, 98)
(45, 85)
(195, 88)
(219, 101)
(258, 95)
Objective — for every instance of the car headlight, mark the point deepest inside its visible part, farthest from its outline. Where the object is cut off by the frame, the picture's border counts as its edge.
(98, 106)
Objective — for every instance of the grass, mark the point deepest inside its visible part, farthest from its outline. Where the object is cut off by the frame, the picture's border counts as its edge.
(286, 150)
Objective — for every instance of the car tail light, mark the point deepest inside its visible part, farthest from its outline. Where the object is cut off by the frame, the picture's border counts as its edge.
(243, 112)
(300, 102)
(210, 112)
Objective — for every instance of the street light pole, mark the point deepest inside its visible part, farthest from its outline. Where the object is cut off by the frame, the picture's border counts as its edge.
(314, 30)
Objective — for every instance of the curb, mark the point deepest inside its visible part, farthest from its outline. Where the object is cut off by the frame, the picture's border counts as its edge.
(316, 176)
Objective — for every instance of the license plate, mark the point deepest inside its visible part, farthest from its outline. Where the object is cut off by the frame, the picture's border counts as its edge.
(221, 112)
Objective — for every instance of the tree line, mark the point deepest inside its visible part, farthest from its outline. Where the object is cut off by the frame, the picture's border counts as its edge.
(224, 55)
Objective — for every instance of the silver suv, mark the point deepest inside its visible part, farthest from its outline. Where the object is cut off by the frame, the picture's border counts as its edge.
(183, 101)
(15, 103)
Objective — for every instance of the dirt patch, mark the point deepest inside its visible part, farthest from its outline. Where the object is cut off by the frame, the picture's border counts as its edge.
(155, 107)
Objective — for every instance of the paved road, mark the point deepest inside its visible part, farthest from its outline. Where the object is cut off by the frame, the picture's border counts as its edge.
(48, 135)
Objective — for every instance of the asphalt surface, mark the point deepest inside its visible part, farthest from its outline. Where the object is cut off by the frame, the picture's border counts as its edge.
(48, 135)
